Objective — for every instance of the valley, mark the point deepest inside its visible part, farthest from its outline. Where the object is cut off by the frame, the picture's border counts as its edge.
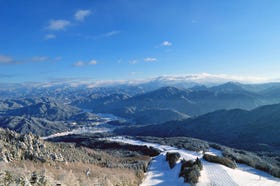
(139, 93)
(230, 118)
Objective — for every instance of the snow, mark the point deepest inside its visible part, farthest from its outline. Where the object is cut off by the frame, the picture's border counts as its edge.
(108, 117)
(212, 174)
(97, 127)
(100, 128)
(215, 152)
(160, 174)
(252, 177)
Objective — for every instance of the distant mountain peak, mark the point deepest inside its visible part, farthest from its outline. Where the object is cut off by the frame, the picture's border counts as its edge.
(228, 87)
(168, 91)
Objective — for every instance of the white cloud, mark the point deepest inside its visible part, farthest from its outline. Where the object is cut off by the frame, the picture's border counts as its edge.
(6, 59)
(166, 43)
(150, 59)
(80, 15)
(112, 33)
(59, 24)
(102, 35)
(201, 78)
(39, 58)
(206, 78)
(133, 62)
(79, 64)
(35, 59)
(50, 36)
(92, 62)
(83, 63)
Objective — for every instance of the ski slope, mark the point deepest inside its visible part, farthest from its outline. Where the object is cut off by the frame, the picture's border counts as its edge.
(212, 174)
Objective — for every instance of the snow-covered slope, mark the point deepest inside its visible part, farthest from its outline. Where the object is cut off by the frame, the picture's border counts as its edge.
(212, 174)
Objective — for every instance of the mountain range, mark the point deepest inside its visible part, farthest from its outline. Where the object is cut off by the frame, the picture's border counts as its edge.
(42, 116)
(255, 130)
(141, 106)
(180, 103)
(243, 116)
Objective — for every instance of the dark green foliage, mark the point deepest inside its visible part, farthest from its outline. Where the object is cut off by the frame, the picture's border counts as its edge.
(252, 160)
(193, 175)
(215, 146)
(191, 144)
(190, 170)
(274, 171)
(221, 160)
(198, 163)
(92, 141)
(184, 165)
(172, 158)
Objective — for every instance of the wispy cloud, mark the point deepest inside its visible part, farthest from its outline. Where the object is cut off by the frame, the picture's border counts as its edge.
(50, 36)
(83, 63)
(166, 43)
(92, 62)
(79, 64)
(80, 15)
(103, 35)
(35, 59)
(109, 34)
(59, 24)
(6, 59)
(150, 59)
(133, 62)
(39, 59)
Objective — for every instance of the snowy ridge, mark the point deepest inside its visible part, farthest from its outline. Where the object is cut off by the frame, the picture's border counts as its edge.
(212, 174)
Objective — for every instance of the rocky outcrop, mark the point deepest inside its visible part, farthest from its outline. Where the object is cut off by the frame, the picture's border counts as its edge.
(172, 158)
(221, 160)
(190, 170)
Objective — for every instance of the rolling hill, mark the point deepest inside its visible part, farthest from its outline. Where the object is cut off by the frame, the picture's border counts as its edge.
(257, 129)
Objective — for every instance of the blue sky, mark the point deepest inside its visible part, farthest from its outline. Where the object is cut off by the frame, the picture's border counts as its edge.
(129, 39)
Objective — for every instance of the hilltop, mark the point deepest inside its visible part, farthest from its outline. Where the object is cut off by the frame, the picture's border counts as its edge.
(26, 159)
